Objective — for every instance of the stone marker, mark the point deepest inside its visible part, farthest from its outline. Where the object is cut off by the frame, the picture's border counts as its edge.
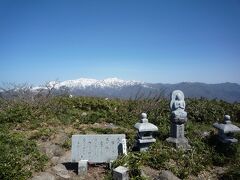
(178, 119)
(97, 148)
(120, 173)
(226, 130)
(145, 131)
(82, 167)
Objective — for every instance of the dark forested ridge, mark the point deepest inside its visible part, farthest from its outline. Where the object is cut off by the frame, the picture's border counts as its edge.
(229, 92)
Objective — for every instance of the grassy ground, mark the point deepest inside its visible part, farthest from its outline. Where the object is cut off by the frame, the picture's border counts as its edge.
(23, 124)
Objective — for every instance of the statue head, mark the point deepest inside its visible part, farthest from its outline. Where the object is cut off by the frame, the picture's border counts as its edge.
(178, 97)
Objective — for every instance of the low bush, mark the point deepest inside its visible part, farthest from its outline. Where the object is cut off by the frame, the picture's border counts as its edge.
(19, 157)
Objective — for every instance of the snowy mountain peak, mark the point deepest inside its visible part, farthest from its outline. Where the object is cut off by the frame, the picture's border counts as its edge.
(83, 83)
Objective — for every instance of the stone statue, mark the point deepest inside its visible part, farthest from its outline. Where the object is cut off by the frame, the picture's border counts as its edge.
(178, 119)
(177, 106)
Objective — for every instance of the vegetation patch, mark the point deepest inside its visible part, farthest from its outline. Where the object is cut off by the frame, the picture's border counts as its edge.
(23, 123)
(19, 156)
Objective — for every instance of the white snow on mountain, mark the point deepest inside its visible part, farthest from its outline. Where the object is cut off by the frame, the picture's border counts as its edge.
(84, 83)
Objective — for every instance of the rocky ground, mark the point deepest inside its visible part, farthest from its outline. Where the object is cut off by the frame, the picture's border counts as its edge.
(60, 166)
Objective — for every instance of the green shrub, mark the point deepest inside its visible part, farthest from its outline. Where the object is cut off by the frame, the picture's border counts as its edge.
(19, 157)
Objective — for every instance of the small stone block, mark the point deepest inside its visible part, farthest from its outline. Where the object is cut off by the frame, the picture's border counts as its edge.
(120, 173)
(82, 167)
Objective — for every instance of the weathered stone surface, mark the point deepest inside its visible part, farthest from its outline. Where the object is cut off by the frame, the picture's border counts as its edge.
(179, 143)
(177, 130)
(120, 173)
(51, 150)
(44, 176)
(167, 175)
(97, 148)
(65, 158)
(61, 171)
(54, 160)
(82, 167)
(149, 173)
(60, 138)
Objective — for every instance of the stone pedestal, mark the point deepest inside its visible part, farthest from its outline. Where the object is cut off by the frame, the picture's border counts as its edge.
(82, 167)
(177, 136)
(120, 173)
(177, 131)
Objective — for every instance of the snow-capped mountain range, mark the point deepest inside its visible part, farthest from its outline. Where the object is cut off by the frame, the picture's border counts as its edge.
(84, 83)
(110, 87)
(118, 88)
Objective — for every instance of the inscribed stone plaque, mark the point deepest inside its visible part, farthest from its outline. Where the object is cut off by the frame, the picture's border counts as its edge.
(177, 130)
(97, 148)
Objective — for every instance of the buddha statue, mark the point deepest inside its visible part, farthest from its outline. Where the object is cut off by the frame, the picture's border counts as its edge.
(179, 115)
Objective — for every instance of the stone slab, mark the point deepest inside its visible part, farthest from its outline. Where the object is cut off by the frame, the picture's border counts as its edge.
(98, 148)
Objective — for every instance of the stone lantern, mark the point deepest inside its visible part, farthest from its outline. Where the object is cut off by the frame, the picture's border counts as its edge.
(226, 130)
(145, 133)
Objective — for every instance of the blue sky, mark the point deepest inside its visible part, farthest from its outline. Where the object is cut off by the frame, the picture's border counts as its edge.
(164, 41)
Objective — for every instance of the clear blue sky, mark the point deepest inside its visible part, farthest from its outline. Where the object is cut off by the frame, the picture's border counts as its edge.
(164, 41)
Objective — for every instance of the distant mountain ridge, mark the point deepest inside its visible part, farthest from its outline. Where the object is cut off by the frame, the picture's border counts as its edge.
(117, 88)
(229, 92)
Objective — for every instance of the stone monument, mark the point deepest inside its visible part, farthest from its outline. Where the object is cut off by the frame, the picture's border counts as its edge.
(144, 133)
(97, 148)
(178, 119)
(226, 130)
